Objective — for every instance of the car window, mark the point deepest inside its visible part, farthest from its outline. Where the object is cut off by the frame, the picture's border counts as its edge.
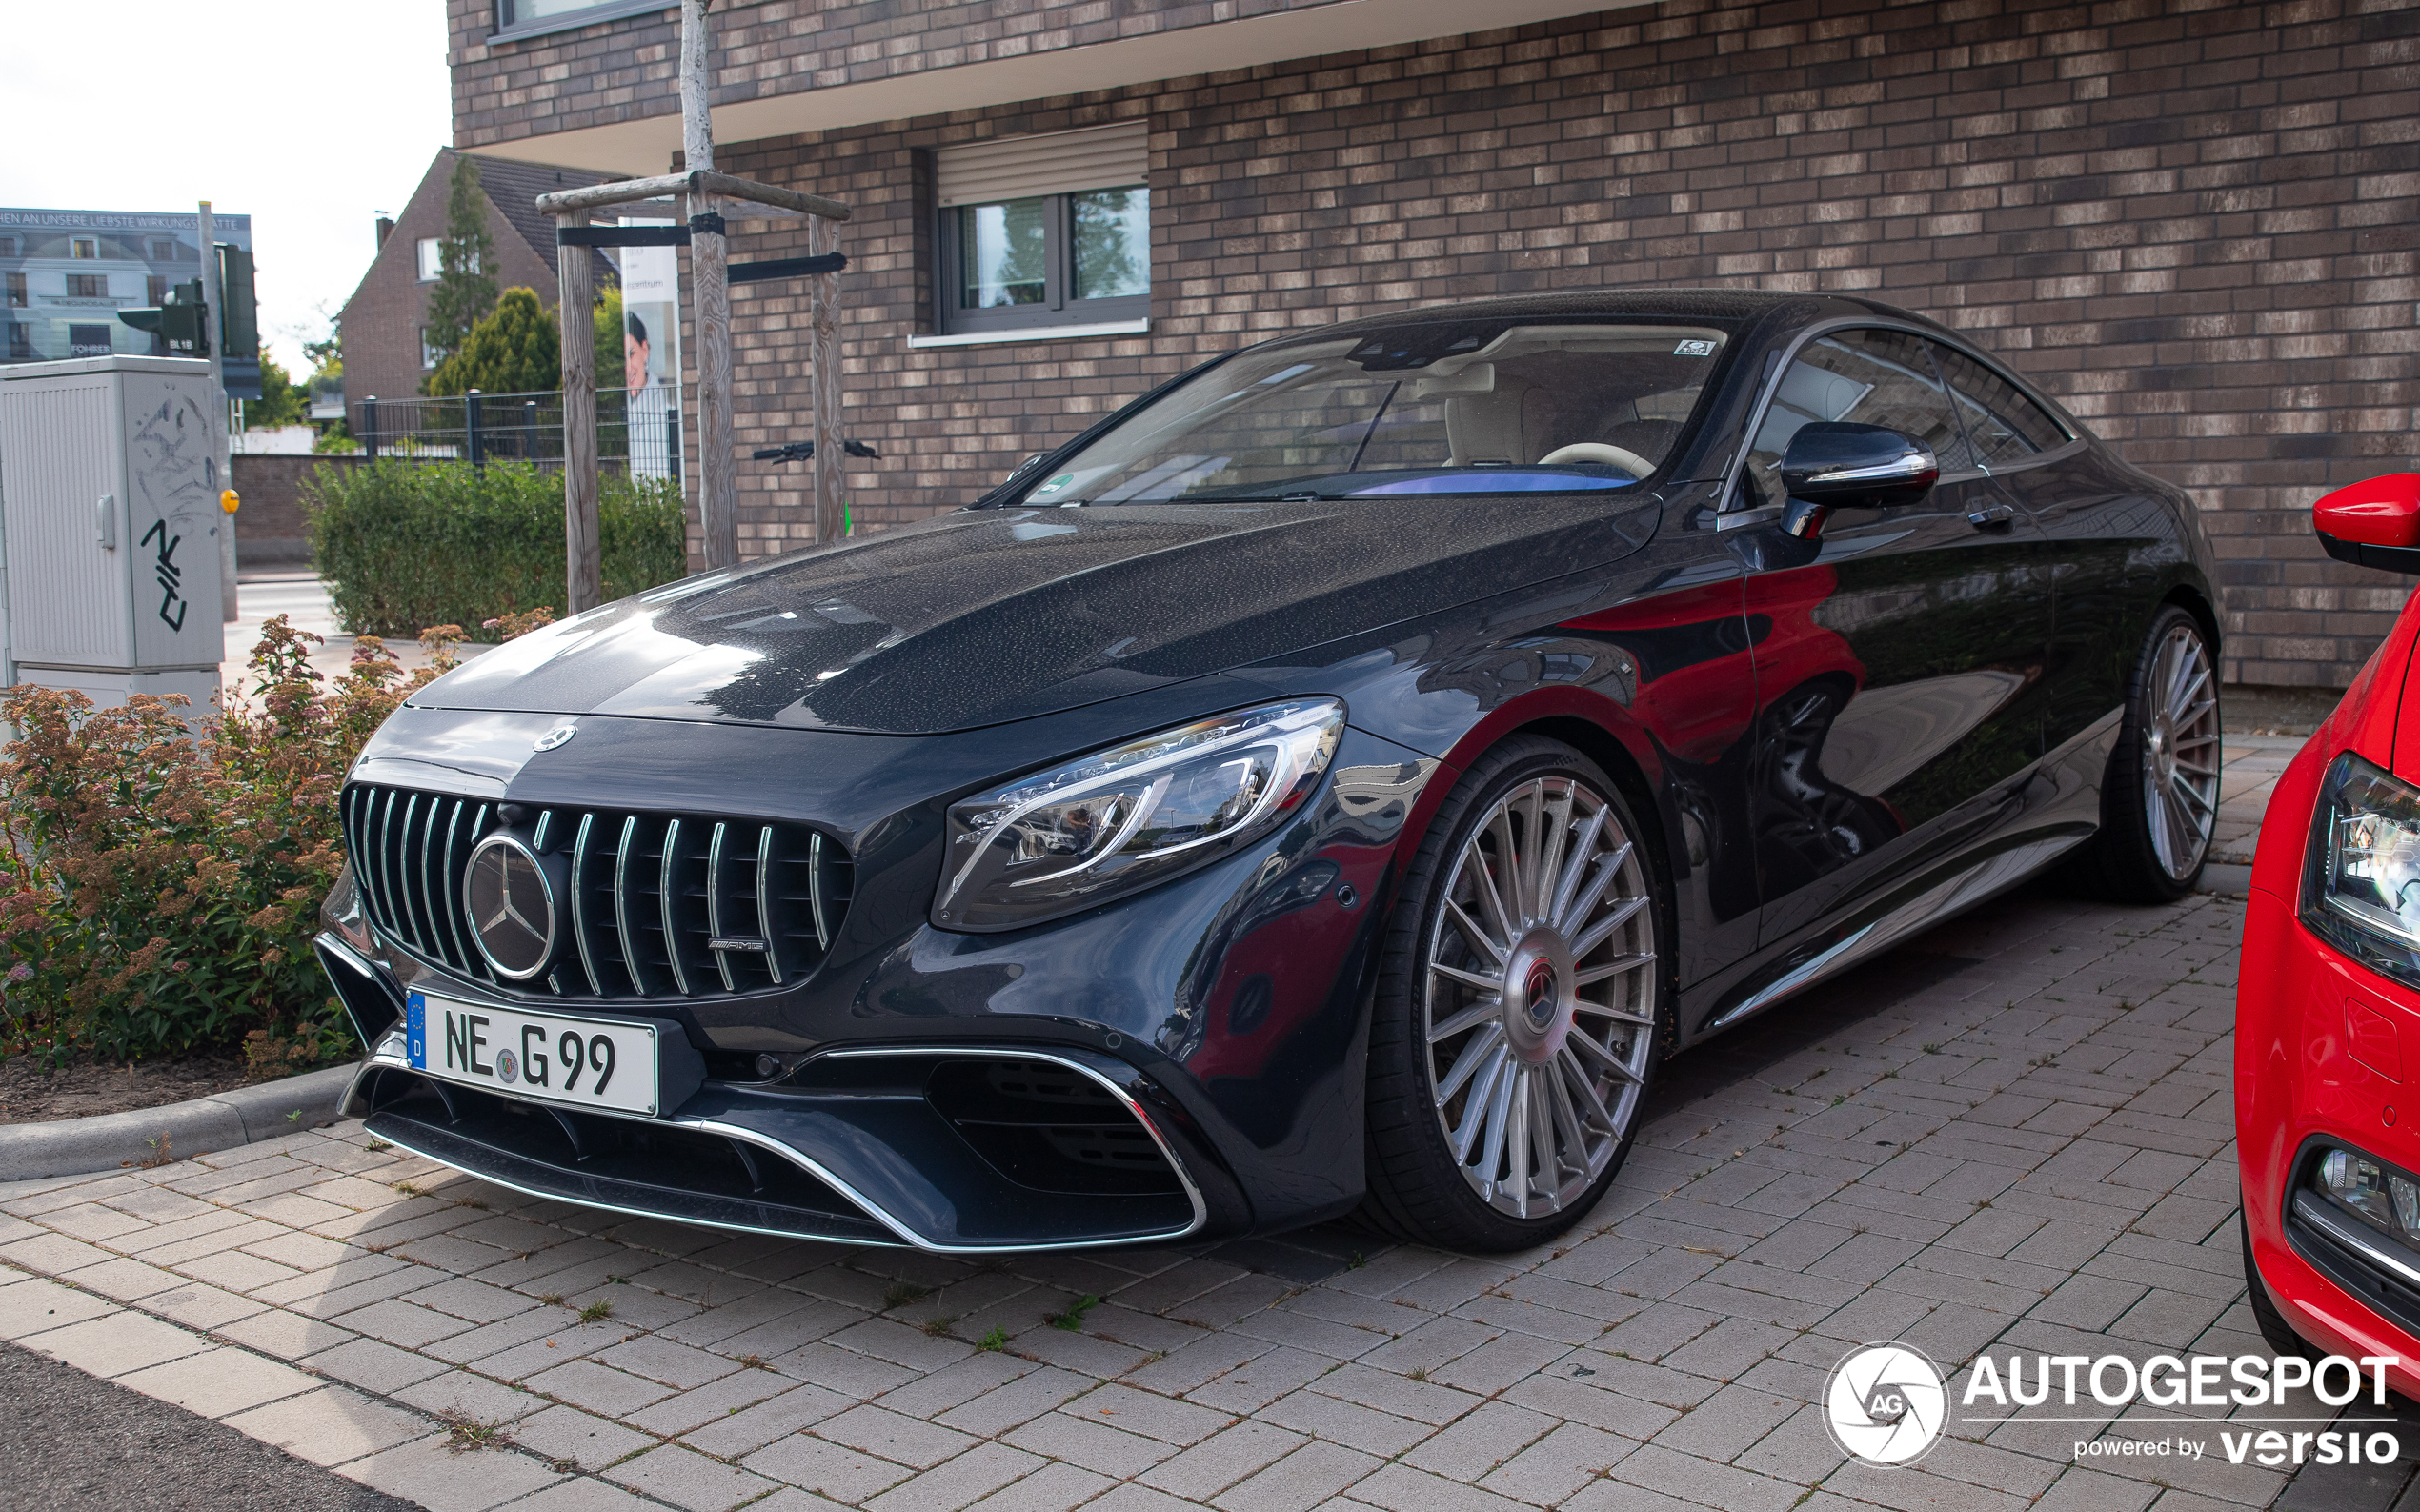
(1870, 378)
(2006, 425)
(1428, 407)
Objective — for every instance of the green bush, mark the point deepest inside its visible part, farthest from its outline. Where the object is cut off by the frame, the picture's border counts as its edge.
(517, 348)
(405, 545)
(160, 882)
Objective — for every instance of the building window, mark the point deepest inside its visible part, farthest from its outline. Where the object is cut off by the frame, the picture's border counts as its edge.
(163, 251)
(84, 247)
(87, 285)
(557, 16)
(1044, 230)
(7, 245)
(21, 344)
(432, 255)
(90, 341)
(16, 293)
(430, 356)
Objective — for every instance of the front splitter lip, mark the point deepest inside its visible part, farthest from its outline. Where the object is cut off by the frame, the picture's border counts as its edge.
(389, 1055)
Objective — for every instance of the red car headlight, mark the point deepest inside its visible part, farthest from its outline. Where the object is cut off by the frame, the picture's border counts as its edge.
(2361, 880)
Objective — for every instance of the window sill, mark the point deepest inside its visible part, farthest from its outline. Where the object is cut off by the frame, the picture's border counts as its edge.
(988, 338)
(573, 21)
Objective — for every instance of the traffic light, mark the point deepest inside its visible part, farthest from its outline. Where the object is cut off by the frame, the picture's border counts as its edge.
(179, 319)
(238, 324)
(238, 321)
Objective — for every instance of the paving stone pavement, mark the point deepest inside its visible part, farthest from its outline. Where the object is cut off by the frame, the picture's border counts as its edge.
(2015, 1133)
(2247, 774)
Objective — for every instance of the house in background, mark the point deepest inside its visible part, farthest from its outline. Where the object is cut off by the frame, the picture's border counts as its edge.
(2196, 222)
(66, 273)
(380, 327)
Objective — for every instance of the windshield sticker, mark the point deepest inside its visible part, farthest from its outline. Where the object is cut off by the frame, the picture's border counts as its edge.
(1694, 349)
(1055, 484)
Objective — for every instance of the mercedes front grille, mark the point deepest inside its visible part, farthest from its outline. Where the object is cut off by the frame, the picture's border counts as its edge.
(663, 905)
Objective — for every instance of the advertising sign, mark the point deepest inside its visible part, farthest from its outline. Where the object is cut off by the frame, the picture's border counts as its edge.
(66, 273)
(651, 353)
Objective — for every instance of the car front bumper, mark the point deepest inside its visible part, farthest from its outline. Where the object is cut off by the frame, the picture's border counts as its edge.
(1214, 1022)
(2300, 1087)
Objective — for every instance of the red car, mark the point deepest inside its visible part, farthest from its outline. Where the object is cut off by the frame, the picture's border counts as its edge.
(2328, 1013)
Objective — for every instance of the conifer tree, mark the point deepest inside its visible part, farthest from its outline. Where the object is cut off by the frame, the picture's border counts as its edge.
(466, 257)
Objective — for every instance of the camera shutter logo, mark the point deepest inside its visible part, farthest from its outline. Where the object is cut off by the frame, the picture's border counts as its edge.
(511, 907)
(1885, 1404)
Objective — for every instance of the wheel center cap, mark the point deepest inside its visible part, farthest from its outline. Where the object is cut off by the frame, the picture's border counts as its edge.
(1540, 992)
(1536, 1017)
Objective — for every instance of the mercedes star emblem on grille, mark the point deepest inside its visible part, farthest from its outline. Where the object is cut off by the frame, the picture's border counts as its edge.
(511, 907)
(560, 734)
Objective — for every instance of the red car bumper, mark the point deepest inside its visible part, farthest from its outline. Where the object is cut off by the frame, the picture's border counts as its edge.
(2297, 1081)
(2326, 1050)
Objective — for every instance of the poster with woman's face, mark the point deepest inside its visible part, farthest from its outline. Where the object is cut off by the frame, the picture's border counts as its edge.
(650, 352)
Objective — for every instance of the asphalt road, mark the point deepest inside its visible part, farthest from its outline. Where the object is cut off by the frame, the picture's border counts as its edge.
(74, 1441)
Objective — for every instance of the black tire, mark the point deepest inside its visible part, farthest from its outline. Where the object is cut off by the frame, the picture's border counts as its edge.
(2127, 862)
(1417, 1189)
(2274, 1331)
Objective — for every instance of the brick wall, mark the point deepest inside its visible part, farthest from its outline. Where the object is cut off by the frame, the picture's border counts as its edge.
(269, 527)
(627, 69)
(2195, 223)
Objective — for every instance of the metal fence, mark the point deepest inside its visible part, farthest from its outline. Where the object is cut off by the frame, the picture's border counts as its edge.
(640, 434)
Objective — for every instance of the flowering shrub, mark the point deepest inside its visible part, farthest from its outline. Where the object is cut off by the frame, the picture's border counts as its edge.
(160, 880)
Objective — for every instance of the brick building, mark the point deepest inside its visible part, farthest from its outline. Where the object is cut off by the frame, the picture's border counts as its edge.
(380, 325)
(2194, 222)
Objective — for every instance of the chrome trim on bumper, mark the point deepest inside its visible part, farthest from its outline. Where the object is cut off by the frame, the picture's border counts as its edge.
(2319, 1215)
(389, 1055)
(1167, 1152)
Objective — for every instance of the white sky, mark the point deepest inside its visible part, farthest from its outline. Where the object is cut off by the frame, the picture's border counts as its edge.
(310, 119)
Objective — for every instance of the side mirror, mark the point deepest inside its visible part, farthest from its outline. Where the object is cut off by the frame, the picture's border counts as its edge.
(2374, 523)
(1836, 464)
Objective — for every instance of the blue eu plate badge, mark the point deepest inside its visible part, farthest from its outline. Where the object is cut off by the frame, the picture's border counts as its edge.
(415, 1030)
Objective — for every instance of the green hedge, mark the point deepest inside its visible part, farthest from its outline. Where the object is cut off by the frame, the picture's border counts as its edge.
(406, 545)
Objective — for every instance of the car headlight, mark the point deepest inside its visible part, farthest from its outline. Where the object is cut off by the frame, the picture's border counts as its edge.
(2385, 1200)
(2361, 885)
(1132, 815)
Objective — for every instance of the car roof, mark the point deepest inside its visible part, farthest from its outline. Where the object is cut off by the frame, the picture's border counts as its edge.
(1741, 306)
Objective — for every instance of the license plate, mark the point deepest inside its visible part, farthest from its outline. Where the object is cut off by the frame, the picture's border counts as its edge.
(552, 1058)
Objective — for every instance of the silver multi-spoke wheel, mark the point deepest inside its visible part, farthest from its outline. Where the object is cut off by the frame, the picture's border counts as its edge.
(1538, 1002)
(2180, 752)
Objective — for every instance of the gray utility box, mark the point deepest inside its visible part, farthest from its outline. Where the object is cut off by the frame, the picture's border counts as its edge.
(109, 520)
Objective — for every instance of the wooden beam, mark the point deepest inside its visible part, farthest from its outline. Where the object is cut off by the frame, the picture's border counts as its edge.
(774, 199)
(718, 441)
(823, 321)
(583, 585)
(764, 201)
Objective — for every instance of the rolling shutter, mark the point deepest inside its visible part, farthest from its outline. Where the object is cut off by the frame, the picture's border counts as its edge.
(1062, 163)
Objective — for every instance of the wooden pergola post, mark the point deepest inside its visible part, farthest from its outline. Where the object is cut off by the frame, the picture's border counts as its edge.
(709, 296)
(823, 342)
(582, 587)
(716, 461)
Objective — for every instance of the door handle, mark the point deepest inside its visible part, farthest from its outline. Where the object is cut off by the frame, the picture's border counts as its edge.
(1994, 517)
(105, 522)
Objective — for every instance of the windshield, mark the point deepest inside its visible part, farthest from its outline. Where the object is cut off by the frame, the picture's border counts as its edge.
(1437, 407)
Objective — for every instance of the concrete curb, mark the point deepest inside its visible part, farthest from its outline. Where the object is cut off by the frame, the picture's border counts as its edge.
(109, 1140)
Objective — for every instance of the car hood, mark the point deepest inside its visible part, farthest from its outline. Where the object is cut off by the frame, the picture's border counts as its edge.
(983, 617)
